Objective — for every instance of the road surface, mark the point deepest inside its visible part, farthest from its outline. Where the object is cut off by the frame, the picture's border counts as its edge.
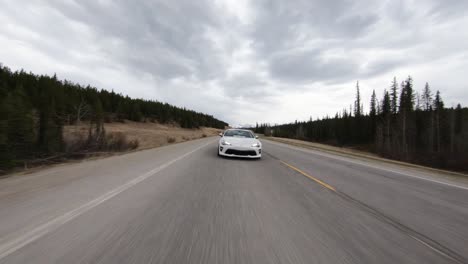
(183, 204)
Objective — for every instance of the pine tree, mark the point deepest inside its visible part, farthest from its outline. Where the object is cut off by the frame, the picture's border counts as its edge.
(50, 107)
(373, 105)
(386, 104)
(426, 98)
(386, 116)
(5, 155)
(98, 117)
(135, 114)
(373, 114)
(438, 105)
(406, 108)
(357, 102)
(20, 131)
(394, 96)
(34, 109)
(407, 96)
(458, 119)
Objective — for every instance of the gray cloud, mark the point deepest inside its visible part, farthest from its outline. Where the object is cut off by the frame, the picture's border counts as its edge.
(310, 67)
(289, 34)
(237, 59)
(161, 38)
(448, 9)
(245, 84)
(286, 24)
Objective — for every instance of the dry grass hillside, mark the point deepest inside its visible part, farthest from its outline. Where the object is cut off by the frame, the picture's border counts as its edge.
(148, 135)
(118, 138)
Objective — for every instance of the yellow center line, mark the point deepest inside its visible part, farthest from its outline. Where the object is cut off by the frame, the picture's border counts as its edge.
(310, 177)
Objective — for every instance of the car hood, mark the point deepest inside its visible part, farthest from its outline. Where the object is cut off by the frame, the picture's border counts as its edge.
(242, 142)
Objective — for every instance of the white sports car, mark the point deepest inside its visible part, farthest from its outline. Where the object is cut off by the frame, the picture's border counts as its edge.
(239, 143)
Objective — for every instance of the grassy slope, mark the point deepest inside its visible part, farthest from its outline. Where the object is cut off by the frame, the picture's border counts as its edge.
(149, 135)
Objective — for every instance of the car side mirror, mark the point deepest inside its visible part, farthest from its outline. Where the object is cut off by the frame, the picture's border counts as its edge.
(256, 136)
(220, 134)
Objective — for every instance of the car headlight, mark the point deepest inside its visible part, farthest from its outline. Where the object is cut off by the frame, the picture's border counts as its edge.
(256, 145)
(225, 143)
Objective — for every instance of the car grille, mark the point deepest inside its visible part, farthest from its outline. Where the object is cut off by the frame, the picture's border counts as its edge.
(241, 152)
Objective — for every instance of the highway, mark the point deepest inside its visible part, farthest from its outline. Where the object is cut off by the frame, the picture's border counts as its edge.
(183, 204)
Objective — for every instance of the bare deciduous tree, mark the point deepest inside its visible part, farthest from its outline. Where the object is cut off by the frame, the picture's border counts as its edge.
(81, 110)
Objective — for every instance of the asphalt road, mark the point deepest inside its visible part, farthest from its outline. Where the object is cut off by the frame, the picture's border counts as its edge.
(183, 204)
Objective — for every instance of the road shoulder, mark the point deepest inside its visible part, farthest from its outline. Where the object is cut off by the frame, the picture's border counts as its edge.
(366, 159)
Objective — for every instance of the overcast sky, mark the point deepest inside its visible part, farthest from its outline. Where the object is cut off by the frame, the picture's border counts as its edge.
(243, 61)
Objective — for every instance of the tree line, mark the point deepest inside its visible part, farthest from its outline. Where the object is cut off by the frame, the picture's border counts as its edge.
(34, 109)
(404, 125)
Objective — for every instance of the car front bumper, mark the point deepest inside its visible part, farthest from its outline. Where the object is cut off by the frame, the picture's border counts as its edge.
(241, 152)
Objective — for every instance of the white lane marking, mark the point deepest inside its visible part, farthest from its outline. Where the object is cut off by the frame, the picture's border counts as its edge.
(34, 234)
(317, 152)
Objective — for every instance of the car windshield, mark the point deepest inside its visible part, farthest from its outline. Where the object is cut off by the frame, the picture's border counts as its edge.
(238, 133)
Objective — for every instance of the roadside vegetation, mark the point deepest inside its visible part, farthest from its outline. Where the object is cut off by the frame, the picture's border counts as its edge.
(404, 125)
(34, 109)
(140, 135)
